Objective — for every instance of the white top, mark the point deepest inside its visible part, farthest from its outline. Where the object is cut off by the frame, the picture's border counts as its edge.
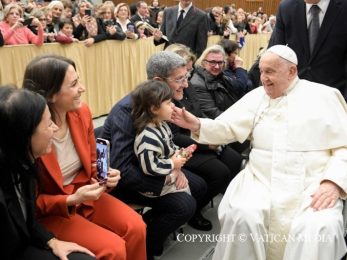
(298, 140)
(67, 156)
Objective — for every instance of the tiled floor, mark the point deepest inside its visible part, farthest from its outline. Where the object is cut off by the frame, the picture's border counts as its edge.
(202, 248)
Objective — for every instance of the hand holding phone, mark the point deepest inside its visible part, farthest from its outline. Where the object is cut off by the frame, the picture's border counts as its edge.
(130, 28)
(27, 22)
(102, 159)
(88, 12)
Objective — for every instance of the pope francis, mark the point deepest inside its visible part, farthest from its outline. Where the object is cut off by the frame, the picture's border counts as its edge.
(287, 203)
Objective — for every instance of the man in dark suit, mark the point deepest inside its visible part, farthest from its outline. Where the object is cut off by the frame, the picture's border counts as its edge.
(326, 63)
(190, 30)
(143, 15)
(172, 210)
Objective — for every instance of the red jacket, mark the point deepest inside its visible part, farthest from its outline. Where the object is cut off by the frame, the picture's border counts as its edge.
(52, 194)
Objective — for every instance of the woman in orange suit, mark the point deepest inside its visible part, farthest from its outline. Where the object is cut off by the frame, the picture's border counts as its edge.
(71, 203)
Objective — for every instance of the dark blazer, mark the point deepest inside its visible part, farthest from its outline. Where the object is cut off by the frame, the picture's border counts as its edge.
(16, 232)
(104, 35)
(192, 32)
(119, 129)
(328, 62)
(135, 18)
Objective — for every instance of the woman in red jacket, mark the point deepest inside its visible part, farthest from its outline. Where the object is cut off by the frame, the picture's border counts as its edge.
(71, 203)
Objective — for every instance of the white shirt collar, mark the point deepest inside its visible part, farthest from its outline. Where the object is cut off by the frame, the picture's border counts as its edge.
(185, 9)
(322, 4)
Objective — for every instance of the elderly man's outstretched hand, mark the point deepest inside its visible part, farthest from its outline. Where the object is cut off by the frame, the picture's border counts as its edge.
(326, 196)
(184, 119)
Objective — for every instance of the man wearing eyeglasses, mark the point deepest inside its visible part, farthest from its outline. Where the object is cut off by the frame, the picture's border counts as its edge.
(172, 210)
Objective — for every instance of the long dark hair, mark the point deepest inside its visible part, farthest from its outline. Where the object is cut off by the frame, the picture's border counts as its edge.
(20, 113)
(147, 94)
(45, 75)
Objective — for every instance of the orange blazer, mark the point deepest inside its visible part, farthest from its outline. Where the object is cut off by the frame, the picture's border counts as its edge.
(52, 194)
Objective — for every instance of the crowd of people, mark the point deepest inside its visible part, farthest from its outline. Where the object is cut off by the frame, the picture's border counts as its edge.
(67, 21)
(289, 193)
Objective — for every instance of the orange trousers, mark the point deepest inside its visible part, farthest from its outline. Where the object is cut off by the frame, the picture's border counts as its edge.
(113, 232)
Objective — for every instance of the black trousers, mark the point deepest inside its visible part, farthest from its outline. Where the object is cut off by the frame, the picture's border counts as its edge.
(217, 171)
(168, 212)
(35, 253)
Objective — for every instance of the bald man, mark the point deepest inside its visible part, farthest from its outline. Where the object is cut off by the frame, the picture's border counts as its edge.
(287, 202)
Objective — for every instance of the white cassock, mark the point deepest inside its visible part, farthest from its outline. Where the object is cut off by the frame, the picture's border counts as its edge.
(298, 140)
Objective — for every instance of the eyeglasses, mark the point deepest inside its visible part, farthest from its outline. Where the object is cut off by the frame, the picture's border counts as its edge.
(180, 80)
(215, 62)
(42, 19)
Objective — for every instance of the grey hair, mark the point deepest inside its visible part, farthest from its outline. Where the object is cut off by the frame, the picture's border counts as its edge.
(55, 3)
(162, 64)
(212, 49)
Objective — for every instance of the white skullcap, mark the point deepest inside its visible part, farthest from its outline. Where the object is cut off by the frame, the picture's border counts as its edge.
(284, 52)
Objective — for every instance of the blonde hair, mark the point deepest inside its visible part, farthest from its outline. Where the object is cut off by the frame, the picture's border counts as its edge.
(119, 6)
(182, 50)
(104, 7)
(212, 49)
(11, 6)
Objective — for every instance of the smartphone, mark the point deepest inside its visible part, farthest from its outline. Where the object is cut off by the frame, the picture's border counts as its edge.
(108, 23)
(88, 12)
(102, 159)
(27, 21)
(130, 28)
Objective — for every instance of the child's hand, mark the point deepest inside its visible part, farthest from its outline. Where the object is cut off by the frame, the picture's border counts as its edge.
(178, 160)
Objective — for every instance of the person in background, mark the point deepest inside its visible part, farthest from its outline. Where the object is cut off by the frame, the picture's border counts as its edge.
(65, 35)
(227, 16)
(84, 23)
(297, 168)
(13, 30)
(71, 202)
(216, 22)
(159, 18)
(190, 30)
(215, 91)
(269, 25)
(143, 15)
(56, 7)
(108, 29)
(234, 69)
(141, 29)
(324, 60)
(37, 13)
(47, 25)
(122, 14)
(154, 8)
(68, 9)
(26, 133)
